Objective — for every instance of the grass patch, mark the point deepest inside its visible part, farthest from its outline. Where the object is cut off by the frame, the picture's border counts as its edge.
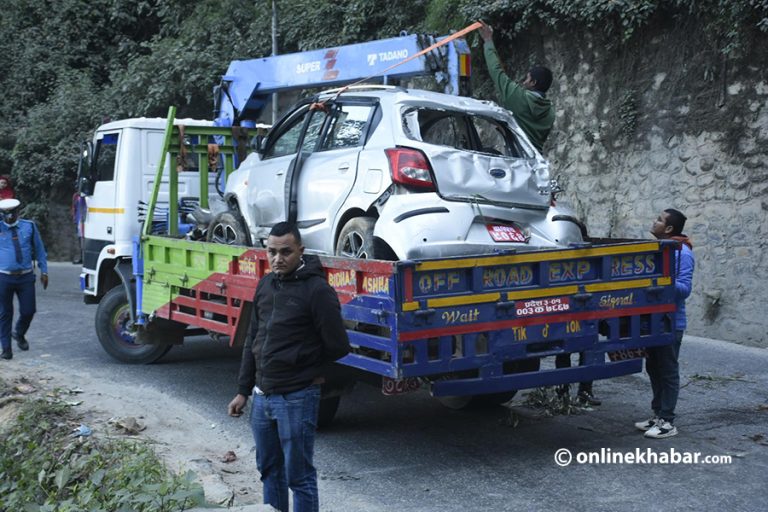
(43, 468)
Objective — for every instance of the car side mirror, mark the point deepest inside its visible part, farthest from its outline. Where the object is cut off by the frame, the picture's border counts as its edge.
(258, 143)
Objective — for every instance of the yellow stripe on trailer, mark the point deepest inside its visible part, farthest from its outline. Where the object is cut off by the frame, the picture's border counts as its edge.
(639, 283)
(537, 256)
(464, 300)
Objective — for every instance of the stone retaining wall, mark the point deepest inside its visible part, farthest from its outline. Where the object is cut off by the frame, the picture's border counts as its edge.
(668, 122)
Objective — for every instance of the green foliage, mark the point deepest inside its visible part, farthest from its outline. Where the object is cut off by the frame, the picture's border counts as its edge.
(43, 154)
(43, 468)
(442, 16)
(628, 113)
(730, 22)
(317, 24)
(617, 18)
(182, 70)
(54, 86)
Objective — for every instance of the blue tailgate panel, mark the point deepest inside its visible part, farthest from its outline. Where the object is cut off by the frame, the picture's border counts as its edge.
(473, 325)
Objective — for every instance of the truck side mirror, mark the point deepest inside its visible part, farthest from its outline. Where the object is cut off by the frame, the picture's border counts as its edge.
(85, 186)
(84, 182)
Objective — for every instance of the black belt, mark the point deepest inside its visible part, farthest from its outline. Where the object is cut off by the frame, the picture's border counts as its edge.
(15, 272)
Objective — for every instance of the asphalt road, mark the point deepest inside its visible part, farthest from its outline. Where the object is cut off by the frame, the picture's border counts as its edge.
(409, 453)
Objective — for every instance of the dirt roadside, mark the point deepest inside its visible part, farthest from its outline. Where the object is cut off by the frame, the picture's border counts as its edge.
(183, 439)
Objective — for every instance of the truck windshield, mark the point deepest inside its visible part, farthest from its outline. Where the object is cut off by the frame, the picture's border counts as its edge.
(104, 159)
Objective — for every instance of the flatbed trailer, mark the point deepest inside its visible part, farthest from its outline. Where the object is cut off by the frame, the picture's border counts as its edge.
(462, 326)
(465, 326)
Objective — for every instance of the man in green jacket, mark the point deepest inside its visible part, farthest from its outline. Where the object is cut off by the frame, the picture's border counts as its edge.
(527, 100)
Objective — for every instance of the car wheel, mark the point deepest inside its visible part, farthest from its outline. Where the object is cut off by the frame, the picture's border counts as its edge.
(228, 228)
(356, 240)
(490, 399)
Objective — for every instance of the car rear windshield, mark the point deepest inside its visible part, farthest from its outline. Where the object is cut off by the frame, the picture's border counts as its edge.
(463, 131)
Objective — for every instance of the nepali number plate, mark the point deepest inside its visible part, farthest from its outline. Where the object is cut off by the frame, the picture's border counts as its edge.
(501, 233)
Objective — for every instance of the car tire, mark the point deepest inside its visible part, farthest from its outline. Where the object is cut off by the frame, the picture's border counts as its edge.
(228, 228)
(458, 403)
(356, 240)
(117, 334)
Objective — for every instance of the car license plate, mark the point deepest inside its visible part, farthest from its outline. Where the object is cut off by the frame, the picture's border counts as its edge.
(501, 233)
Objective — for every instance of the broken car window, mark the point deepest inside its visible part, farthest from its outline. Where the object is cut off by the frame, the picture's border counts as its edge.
(348, 127)
(287, 142)
(444, 129)
(313, 131)
(461, 131)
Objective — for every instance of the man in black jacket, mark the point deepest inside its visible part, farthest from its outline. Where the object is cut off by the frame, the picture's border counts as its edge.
(296, 332)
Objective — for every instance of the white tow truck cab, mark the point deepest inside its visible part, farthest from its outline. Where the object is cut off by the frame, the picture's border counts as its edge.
(116, 176)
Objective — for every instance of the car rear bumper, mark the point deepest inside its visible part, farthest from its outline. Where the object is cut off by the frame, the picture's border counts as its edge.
(418, 226)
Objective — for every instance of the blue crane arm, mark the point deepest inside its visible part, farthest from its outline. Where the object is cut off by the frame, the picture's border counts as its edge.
(246, 88)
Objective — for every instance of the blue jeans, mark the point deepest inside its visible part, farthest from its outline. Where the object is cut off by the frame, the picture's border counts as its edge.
(284, 430)
(664, 372)
(24, 288)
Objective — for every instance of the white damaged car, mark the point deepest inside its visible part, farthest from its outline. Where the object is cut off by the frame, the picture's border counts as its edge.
(392, 173)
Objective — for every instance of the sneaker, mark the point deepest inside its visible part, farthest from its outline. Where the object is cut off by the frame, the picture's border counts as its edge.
(21, 341)
(588, 398)
(7, 354)
(646, 425)
(661, 430)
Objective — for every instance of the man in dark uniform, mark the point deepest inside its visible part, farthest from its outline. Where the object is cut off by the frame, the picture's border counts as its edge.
(20, 247)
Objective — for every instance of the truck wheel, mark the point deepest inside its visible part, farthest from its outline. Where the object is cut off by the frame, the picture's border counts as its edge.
(457, 403)
(117, 334)
(356, 241)
(327, 411)
(228, 228)
(491, 399)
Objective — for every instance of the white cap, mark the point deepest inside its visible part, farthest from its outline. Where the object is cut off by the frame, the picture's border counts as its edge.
(9, 204)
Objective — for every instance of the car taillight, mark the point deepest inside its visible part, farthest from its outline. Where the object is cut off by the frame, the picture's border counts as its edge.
(410, 167)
